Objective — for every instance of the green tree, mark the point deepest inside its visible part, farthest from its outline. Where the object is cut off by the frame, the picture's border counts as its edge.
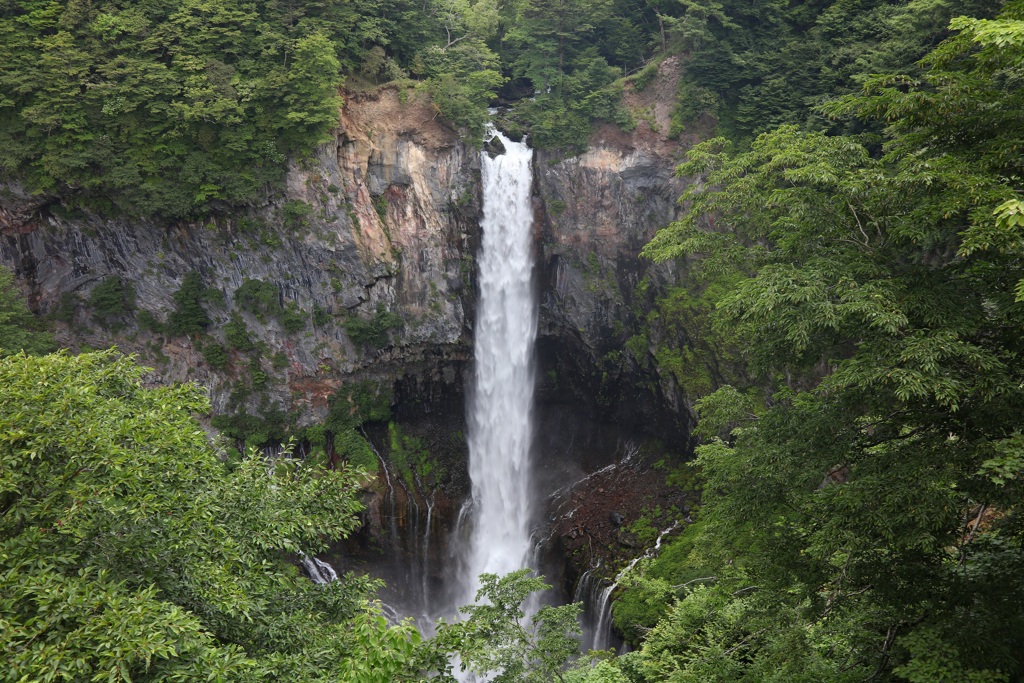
(19, 329)
(497, 638)
(169, 108)
(553, 46)
(462, 72)
(129, 552)
(189, 317)
(111, 299)
(756, 66)
(870, 508)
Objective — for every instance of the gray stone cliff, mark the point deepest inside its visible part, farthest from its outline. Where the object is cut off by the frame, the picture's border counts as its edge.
(384, 220)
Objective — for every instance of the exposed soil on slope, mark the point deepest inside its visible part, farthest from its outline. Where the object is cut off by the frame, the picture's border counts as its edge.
(397, 110)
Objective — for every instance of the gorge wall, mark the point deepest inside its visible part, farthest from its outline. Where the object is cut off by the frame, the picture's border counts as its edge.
(365, 274)
(599, 209)
(380, 218)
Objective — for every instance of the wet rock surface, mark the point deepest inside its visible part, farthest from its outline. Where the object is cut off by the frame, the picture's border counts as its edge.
(609, 517)
(494, 147)
(595, 212)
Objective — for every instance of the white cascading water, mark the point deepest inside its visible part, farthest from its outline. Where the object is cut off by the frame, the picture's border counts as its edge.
(319, 571)
(502, 399)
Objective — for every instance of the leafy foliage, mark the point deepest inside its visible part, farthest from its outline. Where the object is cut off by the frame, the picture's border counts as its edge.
(237, 334)
(19, 329)
(111, 299)
(551, 45)
(129, 552)
(163, 108)
(264, 298)
(258, 297)
(863, 521)
(215, 354)
(296, 213)
(462, 72)
(252, 431)
(496, 638)
(375, 332)
(756, 67)
(189, 317)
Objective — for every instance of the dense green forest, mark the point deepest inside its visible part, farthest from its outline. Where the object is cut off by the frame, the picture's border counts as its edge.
(178, 109)
(130, 551)
(857, 271)
(862, 467)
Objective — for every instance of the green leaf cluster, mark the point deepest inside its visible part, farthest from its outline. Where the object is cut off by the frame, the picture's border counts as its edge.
(189, 317)
(374, 332)
(19, 329)
(559, 48)
(264, 298)
(861, 512)
(129, 552)
(498, 640)
(167, 108)
(112, 298)
(758, 66)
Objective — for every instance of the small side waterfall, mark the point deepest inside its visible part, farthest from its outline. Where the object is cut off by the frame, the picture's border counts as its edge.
(502, 398)
(320, 572)
(592, 591)
(597, 596)
(393, 520)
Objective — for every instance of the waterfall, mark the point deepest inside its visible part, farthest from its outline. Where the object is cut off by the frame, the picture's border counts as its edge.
(502, 398)
(599, 604)
(391, 488)
(425, 573)
(592, 591)
(319, 571)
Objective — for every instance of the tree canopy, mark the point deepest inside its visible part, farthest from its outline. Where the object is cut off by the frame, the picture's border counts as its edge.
(862, 487)
(161, 108)
(178, 109)
(129, 551)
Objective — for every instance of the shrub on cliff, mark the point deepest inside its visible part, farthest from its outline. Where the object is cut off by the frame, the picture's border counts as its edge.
(19, 329)
(375, 332)
(189, 317)
(111, 299)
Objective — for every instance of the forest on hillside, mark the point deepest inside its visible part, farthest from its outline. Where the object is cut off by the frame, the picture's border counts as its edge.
(855, 318)
(182, 109)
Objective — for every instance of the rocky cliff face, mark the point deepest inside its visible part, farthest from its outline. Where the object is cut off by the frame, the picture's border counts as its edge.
(606, 409)
(382, 218)
(362, 269)
(597, 211)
